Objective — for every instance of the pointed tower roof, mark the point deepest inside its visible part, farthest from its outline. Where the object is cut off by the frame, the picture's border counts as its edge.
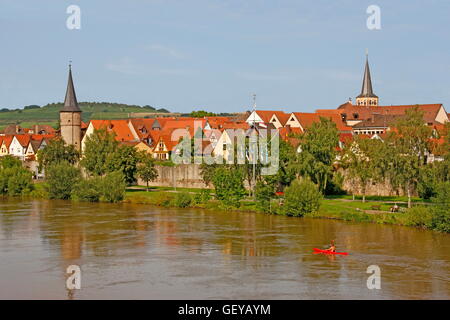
(366, 90)
(70, 102)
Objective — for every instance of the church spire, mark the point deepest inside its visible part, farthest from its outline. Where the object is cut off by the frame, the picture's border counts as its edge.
(367, 97)
(70, 102)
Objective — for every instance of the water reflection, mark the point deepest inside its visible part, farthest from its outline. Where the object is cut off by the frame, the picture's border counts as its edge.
(199, 254)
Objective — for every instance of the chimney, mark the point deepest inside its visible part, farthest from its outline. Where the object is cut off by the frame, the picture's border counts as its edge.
(36, 129)
(17, 128)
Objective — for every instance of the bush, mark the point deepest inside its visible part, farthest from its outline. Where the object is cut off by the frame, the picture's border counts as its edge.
(61, 178)
(88, 190)
(15, 181)
(182, 200)
(163, 199)
(202, 197)
(301, 197)
(441, 211)
(113, 187)
(418, 217)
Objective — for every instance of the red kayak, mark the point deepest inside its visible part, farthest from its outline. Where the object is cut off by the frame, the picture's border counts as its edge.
(329, 252)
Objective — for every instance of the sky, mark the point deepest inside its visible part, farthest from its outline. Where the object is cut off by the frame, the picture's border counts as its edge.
(215, 54)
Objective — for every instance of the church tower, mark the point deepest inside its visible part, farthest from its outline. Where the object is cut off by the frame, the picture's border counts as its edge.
(367, 97)
(70, 116)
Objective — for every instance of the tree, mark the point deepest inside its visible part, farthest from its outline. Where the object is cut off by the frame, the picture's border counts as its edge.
(264, 191)
(207, 172)
(146, 168)
(318, 153)
(441, 211)
(229, 186)
(360, 160)
(97, 149)
(201, 114)
(55, 152)
(61, 179)
(407, 151)
(123, 159)
(301, 197)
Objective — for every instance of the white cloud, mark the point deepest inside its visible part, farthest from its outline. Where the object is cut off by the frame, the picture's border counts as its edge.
(165, 51)
(124, 65)
(256, 76)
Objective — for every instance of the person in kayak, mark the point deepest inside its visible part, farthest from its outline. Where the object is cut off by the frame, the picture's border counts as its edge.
(332, 247)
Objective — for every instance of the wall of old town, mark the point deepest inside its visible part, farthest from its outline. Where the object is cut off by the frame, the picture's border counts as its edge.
(189, 176)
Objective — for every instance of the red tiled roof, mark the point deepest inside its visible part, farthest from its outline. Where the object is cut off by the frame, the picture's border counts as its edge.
(365, 112)
(307, 119)
(265, 115)
(142, 126)
(23, 139)
(7, 140)
(118, 127)
(192, 125)
(282, 117)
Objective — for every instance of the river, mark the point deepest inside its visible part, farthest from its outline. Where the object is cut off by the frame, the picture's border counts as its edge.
(130, 251)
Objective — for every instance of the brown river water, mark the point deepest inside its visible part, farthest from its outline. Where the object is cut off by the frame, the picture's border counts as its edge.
(139, 252)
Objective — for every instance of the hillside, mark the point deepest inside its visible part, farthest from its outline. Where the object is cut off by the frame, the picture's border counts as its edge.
(49, 114)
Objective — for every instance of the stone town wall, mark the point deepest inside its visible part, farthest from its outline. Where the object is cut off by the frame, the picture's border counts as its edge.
(182, 176)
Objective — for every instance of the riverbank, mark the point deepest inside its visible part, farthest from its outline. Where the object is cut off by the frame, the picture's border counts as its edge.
(376, 209)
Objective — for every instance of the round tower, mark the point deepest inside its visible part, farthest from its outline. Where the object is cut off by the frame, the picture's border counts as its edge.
(70, 116)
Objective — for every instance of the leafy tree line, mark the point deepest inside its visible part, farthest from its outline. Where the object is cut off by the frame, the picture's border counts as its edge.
(400, 160)
(109, 167)
(311, 166)
(310, 171)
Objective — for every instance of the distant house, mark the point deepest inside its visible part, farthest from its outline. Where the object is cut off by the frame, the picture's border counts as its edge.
(304, 121)
(18, 146)
(163, 146)
(5, 142)
(277, 118)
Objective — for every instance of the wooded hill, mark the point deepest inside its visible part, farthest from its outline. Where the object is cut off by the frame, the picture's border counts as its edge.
(49, 114)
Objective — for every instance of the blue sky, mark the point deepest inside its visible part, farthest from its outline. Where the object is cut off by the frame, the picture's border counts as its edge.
(214, 54)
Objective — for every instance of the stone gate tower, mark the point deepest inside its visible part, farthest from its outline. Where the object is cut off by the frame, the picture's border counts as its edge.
(70, 116)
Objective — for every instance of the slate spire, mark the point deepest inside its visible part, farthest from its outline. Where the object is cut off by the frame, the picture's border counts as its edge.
(70, 102)
(366, 90)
